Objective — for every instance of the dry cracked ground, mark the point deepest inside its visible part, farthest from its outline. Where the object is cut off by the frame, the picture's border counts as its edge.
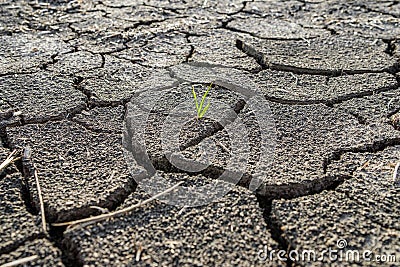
(329, 72)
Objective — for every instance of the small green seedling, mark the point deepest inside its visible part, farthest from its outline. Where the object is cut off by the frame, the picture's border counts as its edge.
(199, 107)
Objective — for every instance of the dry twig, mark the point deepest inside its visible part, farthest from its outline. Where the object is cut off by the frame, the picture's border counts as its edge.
(102, 217)
(20, 261)
(40, 201)
(396, 174)
(9, 160)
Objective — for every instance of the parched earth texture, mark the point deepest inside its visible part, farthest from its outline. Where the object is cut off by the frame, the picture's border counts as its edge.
(72, 73)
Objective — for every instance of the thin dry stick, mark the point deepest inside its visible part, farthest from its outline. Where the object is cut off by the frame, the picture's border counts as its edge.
(20, 261)
(10, 159)
(101, 217)
(139, 253)
(40, 201)
(396, 173)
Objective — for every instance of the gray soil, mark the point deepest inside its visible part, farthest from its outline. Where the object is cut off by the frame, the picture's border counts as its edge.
(88, 87)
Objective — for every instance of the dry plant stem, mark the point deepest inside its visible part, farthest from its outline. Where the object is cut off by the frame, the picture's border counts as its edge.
(10, 159)
(40, 201)
(101, 217)
(20, 261)
(139, 253)
(396, 173)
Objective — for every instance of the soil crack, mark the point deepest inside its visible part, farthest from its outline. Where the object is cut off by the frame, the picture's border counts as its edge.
(263, 61)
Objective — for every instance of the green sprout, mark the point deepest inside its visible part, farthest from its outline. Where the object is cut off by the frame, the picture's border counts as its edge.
(199, 107)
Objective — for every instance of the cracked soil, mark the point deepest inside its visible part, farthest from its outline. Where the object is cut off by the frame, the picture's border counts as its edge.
(71, 73)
